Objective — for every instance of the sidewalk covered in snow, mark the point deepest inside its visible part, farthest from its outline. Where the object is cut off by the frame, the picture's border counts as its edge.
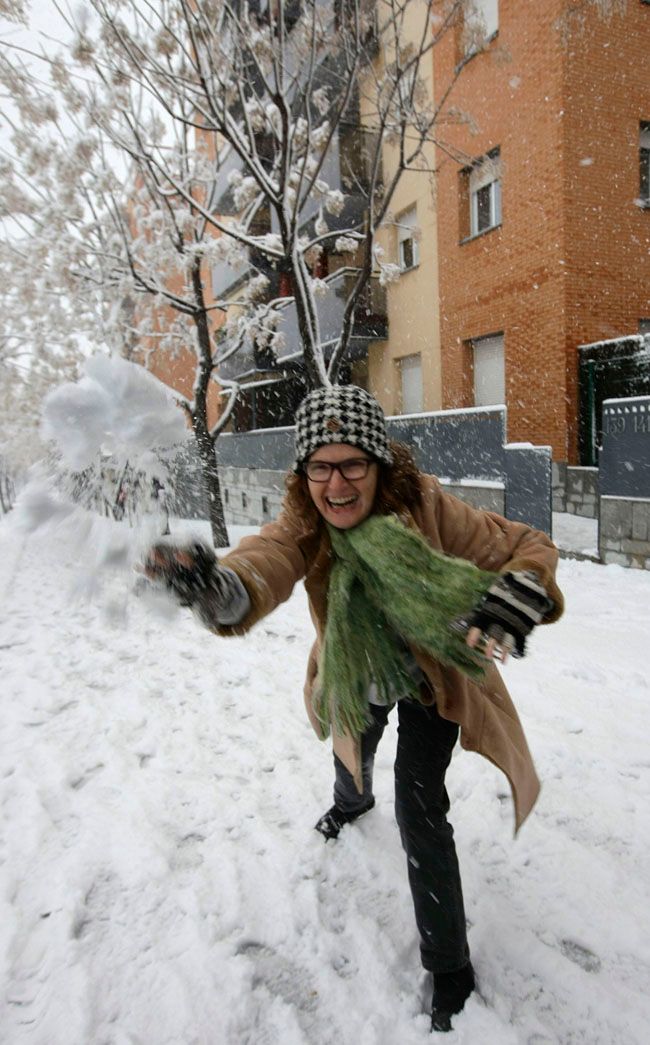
(161, 881)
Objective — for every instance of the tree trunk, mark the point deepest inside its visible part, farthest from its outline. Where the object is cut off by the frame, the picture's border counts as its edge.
(316, 374)
(7, 493)
(204, 441)
(212, 486)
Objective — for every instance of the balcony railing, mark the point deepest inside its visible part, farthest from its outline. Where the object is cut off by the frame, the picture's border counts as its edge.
(370, 324)
(226, 277)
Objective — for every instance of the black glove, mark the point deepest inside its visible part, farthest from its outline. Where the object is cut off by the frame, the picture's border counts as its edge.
(187, 571)
(511, 607)
(193, 574)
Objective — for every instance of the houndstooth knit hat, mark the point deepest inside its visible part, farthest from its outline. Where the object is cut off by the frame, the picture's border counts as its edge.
(340, 414)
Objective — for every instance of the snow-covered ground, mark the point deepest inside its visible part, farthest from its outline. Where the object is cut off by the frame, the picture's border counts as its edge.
(575, 533)
(160, 879)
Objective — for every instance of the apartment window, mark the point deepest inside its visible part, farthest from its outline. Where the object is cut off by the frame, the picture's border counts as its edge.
(644, 163)
(408, 248)
(644, 324)
(485, 193)
(481, 23)
(410, 370)
(489, 370)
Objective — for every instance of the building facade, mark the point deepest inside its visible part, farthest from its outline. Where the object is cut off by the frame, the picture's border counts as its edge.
(543, 206)
(523, 234)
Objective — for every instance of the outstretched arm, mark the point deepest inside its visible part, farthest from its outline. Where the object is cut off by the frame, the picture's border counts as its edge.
(193, 574)
(229, 595)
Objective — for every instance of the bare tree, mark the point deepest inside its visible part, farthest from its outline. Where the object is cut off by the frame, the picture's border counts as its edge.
(269, 89)
(172, 137)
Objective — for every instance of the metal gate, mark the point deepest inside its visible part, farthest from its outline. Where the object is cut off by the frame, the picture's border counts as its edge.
(608, 370)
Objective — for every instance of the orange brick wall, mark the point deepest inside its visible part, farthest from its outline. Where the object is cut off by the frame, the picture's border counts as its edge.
(607, 94)
(570, 262)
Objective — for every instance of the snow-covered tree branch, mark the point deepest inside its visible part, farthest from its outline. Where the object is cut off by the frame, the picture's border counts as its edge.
(166, 144)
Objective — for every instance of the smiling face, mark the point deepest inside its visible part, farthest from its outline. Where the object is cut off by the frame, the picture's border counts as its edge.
(344, 502)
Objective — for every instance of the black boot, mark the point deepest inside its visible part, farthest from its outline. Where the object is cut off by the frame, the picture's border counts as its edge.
(450, 992)
(334, 819)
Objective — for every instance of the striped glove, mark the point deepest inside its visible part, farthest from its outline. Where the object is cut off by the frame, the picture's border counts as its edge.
(511, 607)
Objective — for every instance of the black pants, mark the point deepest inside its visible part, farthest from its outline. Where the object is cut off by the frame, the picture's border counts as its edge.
(424, 746)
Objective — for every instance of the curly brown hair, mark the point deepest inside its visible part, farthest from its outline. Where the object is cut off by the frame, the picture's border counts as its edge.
(398, 487)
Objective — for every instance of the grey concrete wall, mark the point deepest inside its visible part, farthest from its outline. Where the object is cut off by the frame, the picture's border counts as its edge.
(253, 497)
(625, 455)
(624, 530)
(528, 486)
(457, 445)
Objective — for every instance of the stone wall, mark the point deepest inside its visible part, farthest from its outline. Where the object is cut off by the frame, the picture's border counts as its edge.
(575, 490)
(490, 496)
(624, 531)
(251, 496)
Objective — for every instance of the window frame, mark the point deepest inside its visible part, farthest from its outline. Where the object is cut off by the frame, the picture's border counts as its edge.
(406, 224)
(480, 26)
(484, 174)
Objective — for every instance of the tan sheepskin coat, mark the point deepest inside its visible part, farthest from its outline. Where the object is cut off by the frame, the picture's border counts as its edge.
(286, 551)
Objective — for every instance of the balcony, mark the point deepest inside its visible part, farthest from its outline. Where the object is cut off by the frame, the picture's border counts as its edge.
(226, 277)
(371, 324)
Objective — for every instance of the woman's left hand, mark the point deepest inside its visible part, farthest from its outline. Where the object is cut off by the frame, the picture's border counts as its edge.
(489, 646)
(506, 615)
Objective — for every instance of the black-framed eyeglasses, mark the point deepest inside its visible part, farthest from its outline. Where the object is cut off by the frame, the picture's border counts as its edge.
(352, 468)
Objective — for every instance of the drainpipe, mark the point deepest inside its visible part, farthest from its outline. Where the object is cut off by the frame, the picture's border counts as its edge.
(591, 413)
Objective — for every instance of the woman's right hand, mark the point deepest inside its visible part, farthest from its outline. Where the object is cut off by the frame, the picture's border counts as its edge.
(193, 574)
(185, 569)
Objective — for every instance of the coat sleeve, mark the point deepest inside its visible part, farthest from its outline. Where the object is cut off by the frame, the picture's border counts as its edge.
(269, 565)
(494, 543)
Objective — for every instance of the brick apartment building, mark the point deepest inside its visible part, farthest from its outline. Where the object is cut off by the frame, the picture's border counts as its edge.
(543, 206)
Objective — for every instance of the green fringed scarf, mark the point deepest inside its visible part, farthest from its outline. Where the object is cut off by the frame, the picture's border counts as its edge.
(387, 584)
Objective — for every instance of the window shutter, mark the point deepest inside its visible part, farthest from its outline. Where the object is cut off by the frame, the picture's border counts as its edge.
(489, 371)
(411, 382)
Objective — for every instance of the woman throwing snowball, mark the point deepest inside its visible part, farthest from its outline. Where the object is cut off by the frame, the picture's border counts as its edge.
(413, 594)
